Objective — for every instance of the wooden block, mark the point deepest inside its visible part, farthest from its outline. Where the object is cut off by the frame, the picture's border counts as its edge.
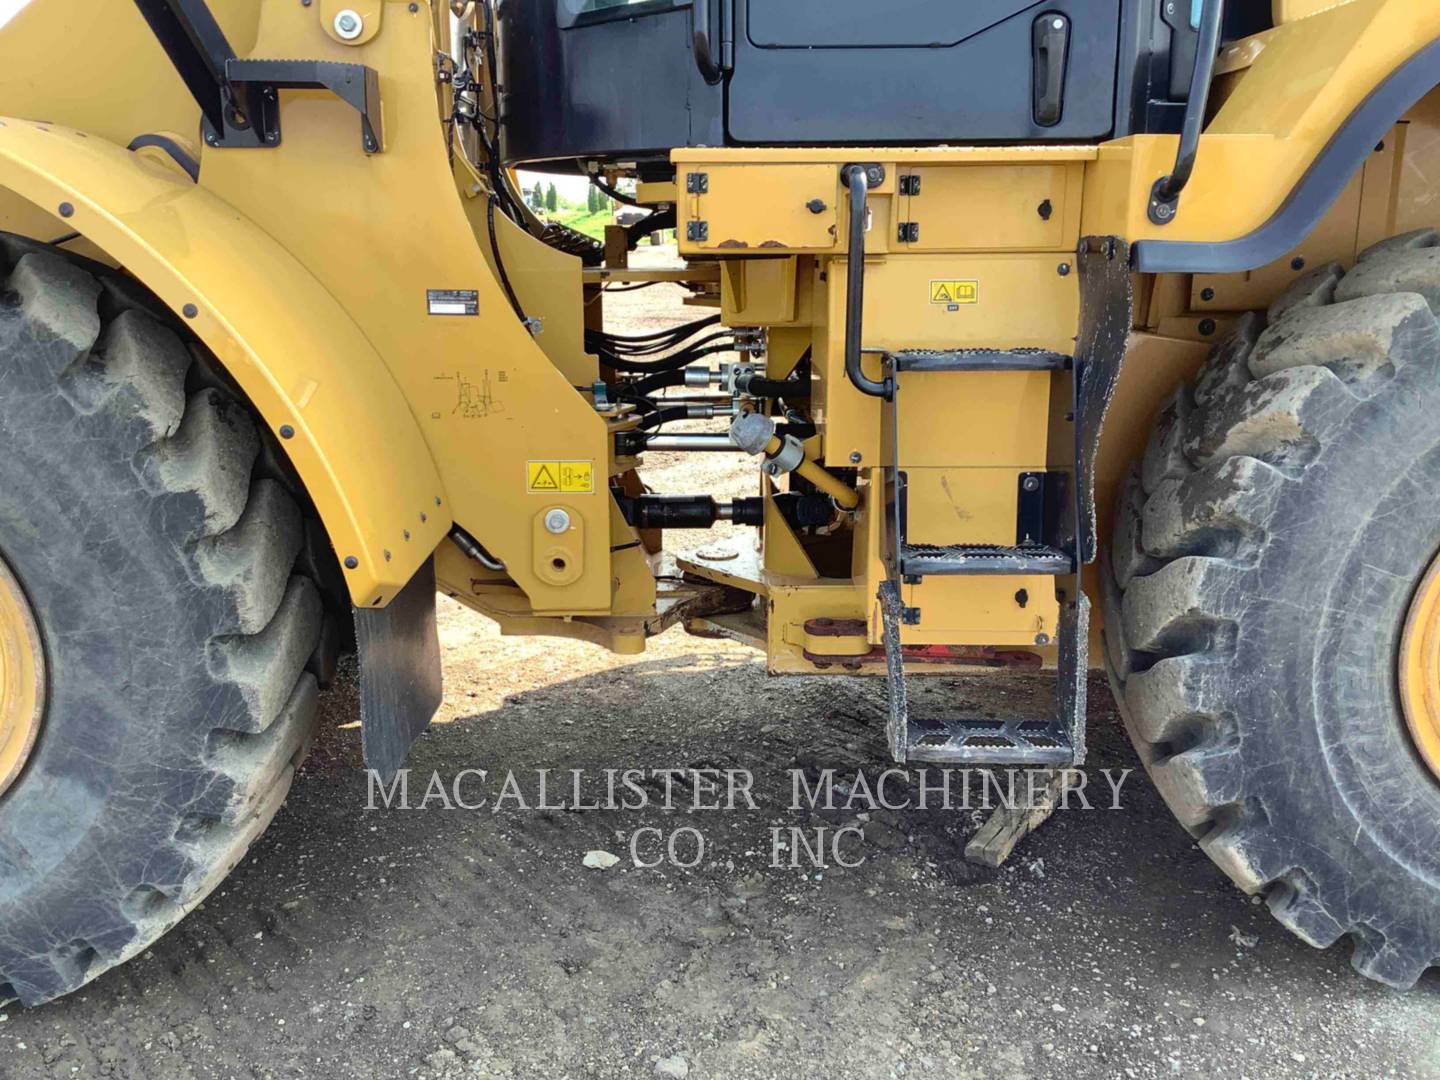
(617, 247)
(1008, 825)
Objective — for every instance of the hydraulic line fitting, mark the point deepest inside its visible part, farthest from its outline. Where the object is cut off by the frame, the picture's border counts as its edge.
(755, 434)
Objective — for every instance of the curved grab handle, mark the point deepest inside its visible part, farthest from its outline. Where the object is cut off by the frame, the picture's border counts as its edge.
(1165, 195)
(702, 13)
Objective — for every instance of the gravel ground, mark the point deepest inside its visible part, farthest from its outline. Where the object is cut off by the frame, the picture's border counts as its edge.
(476, 943)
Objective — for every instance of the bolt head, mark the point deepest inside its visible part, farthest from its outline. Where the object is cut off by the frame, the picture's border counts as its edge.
(1031, 483)
(557, 521)
(349, 25)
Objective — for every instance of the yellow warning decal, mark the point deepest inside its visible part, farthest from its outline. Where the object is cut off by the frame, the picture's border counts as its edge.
(560, 477)
(954, 292)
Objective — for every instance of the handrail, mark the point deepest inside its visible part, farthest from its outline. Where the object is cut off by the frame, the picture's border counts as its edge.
(860, 179)
(1165, 195)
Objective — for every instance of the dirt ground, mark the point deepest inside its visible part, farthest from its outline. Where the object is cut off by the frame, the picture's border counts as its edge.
(475, 943)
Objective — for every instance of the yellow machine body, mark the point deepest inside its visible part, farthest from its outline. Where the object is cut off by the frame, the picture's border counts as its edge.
(308, 268)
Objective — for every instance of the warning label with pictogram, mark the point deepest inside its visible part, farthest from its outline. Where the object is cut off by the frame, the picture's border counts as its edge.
(560, 477)
(954, 292)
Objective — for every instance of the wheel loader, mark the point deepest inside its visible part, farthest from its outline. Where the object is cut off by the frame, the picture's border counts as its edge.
(1063, 336)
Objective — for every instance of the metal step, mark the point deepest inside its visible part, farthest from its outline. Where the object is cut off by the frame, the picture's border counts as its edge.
(979, 360)
(988, 741)
(966, 740)
(929, 560)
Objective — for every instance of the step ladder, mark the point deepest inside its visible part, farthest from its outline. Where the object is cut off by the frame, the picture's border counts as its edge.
(1054, 740)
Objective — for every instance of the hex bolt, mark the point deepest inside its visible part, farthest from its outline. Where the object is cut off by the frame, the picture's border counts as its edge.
(1207, 295)
(1031, 483)
(349, 25)
(557, 521)
(1042, 639)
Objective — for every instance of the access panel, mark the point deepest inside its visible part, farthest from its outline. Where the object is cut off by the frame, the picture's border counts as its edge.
(912, 71)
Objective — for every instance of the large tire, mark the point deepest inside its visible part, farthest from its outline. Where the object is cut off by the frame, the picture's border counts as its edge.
(159, 556)
(1264, 558)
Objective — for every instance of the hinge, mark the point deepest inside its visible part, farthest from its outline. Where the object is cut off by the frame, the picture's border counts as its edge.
(910, 616)
(909, 232)
(910, 185)
(697, 183)
(697, 232)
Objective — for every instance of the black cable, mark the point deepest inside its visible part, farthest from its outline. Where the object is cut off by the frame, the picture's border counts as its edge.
(669, 363)
(659, 381)
(500, 262)
(661, 417)
(637, 353)
(678, 334)
(685, 329)
(615, 193)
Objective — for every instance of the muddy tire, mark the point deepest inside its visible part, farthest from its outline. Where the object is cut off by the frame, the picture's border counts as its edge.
(181, 643)
(1265, 556)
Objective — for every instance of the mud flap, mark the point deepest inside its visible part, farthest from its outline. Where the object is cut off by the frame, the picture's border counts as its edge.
(400, 680)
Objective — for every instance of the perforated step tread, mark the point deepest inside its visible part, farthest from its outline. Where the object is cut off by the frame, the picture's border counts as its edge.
(989, 741)
(979, 360)
(930, 560)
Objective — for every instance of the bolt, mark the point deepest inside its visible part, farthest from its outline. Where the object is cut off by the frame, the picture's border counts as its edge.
(1042, 639)
(855, 457)
(1207, 294)
(1207, 327)
(1297, 263)
(437, 500)
(66, 210)
(190, 311)
(1031, 483)
(351, 562)
(557, 521)
(286, 431)
(349, 25)
(1063, 269)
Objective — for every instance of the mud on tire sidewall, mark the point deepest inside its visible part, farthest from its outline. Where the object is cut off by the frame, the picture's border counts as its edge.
(1268, 710)
(132, 805)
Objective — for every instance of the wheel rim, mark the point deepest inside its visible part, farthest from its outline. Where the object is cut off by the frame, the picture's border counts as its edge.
(22, 679)
(1420, 668)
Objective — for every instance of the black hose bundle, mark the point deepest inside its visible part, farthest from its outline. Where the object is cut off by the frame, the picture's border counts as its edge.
(645, 353)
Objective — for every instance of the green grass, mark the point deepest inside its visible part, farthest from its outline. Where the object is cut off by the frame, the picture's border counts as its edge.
(582, 221)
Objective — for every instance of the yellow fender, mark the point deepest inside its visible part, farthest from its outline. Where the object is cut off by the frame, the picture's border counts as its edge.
(298, 355)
